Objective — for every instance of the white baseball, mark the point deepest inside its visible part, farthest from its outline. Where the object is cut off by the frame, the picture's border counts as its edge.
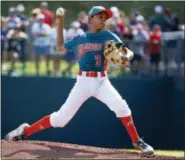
(60, 11)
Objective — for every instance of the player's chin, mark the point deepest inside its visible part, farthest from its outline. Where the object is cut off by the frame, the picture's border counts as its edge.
(102, 26)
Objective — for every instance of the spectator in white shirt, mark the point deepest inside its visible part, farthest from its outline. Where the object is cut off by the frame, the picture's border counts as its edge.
(12, 20)
(138, 47)
(41, 41)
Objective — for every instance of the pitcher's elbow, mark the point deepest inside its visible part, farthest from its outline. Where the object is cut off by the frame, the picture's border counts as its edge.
(60, 49)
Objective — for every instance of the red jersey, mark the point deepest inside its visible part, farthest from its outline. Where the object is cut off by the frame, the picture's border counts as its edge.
(155, 42)
(121, 27)
(49, 17)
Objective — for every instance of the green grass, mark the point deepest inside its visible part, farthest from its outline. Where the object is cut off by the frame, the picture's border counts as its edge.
(31, 71)
(175, 153)
(30, 67)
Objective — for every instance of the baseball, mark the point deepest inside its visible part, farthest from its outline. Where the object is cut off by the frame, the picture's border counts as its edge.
(60, 11)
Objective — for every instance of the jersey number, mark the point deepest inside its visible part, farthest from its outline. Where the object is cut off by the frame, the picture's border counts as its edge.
(98, 60)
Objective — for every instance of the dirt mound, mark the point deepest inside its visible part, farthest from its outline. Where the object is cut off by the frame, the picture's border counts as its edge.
(52, 150)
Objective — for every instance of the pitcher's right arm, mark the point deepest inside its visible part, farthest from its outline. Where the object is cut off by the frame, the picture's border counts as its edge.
(60, 25)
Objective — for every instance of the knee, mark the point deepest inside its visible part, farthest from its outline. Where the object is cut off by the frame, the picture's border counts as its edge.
(122, 110)
(58, 120)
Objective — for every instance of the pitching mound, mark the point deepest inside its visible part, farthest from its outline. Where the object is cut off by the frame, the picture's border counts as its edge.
(52, 150)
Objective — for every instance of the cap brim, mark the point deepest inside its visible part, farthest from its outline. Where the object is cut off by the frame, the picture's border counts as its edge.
(109, 13)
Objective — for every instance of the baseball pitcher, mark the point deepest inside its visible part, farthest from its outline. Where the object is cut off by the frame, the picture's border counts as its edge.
(93, 49)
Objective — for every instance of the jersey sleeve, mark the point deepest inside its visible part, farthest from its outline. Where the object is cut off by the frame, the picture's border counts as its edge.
(114, 37)
(70, 44)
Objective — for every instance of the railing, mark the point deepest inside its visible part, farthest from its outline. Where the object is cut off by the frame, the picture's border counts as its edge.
(171, 55)
(173, 50)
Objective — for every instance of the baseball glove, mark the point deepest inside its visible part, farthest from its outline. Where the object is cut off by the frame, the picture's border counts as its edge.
(114, 54)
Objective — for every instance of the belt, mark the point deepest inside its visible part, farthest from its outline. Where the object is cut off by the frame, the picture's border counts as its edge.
(92, 74)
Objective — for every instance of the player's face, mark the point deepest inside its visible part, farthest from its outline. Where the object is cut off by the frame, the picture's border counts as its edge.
(98, 21)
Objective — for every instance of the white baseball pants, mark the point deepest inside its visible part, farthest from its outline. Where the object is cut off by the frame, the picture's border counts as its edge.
(84, 88)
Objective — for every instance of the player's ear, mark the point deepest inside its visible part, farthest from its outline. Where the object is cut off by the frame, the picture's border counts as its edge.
(90, 19)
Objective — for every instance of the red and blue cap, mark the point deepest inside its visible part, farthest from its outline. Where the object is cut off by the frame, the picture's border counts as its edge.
(96, 9)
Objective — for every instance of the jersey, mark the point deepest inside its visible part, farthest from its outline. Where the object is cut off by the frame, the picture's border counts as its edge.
(155, 48)
(88, 49)
(41, 29)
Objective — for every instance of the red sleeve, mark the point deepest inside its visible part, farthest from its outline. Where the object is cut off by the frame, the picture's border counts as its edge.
(51, 18)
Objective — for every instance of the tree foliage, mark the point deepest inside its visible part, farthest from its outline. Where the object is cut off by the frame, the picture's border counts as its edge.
(74, 7)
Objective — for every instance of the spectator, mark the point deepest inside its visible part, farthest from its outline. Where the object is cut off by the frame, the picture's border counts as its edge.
(121, 22)
(12, 20)
(3, 37)
(175, 22)
(155, 48)
(41, 43)
(24, 19)
(140, 20)
(115, 29)
(83, 19)
(138, 47)
(159, 19)
(115, 24)
(56, 55)
(33, 19)
(128, 36)
(132, 18)
(173, 19)
(49, 17)
(74, 30)
(16, 48)
(34, 13)
(168, 16)
(116, 14)
(141, 24)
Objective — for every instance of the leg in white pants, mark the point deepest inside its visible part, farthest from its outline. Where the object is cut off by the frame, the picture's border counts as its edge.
(78, 95)
(107, 94)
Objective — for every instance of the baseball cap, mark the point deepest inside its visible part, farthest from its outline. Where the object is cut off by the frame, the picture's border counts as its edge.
(140, 18)
(20, 8)
(96, 9)
(44, 5)
(11, 10)
(36, 11)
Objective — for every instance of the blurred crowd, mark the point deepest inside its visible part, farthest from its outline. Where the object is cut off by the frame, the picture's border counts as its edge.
(33, 38)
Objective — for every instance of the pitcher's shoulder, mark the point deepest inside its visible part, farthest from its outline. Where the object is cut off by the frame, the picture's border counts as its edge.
(107, 31)
(81, 35)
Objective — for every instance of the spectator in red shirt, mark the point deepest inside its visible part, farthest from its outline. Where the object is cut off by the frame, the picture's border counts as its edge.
(155, 48)
(49, 17)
